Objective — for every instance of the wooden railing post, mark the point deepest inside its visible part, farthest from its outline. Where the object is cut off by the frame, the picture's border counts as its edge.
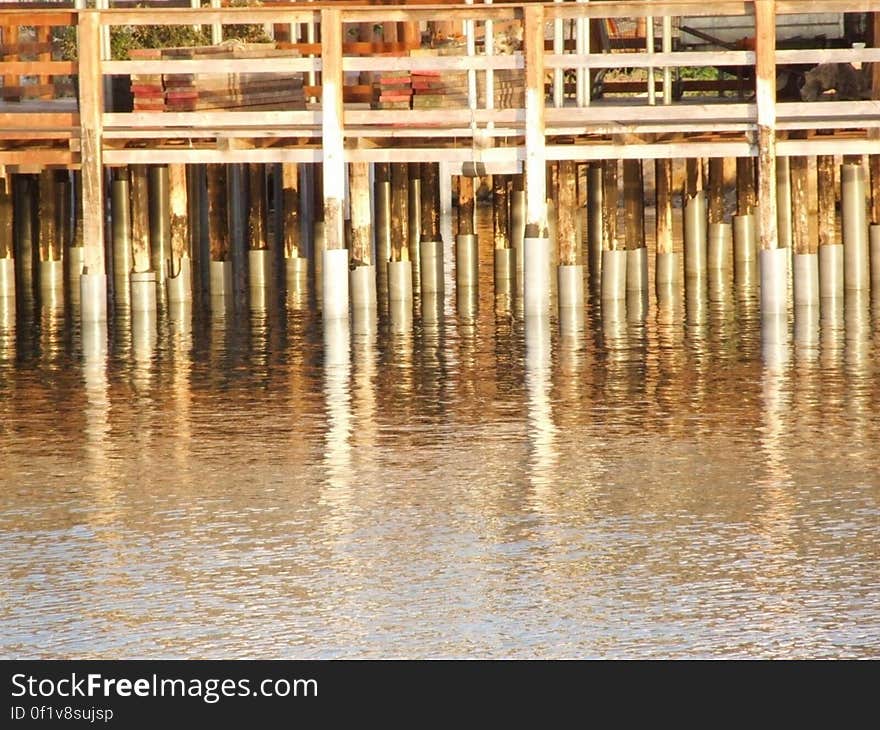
(765, 97)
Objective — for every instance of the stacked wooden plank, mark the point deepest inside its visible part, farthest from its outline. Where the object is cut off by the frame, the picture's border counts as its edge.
(393, 90)
(196, 92)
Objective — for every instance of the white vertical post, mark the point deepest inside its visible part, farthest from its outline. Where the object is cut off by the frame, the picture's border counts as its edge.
(582, 43)
(489, 49)
(558, 73)
(667, 70)
(649, 42)
(216, 28)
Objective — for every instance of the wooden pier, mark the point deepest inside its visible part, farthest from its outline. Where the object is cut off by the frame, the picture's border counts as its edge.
(344, 144)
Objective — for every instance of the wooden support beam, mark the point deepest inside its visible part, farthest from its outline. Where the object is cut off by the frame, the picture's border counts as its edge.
(694, 182)
(218, 213)
(765, 96)
(634, 204)
(609, 205)
(500, 212)
(290, 202)
(177, 206)
(716, 190)
(802, 242)
(746, 195)
(361, 218)
(826, 188)
(140, 219)
(535, 167)
(430, 209)
(91, 108)
(331, 127)
(566, 213)
(50, 249)
(399, 208)
(257, 239)
(6, 240)
(465, 205)
(663, 193)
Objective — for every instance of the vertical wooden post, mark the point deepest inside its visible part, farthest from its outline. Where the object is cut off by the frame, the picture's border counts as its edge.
(178, 215)
(800, 205)
(609, 205)
(465, 205)
(10, 39)
(765, 86)
(634, 206)
(332, 146)
(716, 190)
(6, 234)
(218, 213)
(693, 176)
(48, 238)
(566, 213)
(399, 204)
(827, 215)
(257, 207)
(140, 219)
(745, 186)
(290, 217)
(500, 212)
(536, 172)
(361, 220)
(663, 193)
(430, 212)
(91, 108)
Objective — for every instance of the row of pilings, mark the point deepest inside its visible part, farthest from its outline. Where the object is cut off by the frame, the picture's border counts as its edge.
(232, 236)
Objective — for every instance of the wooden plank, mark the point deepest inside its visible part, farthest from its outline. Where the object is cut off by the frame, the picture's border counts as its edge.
(331, 126)
(223, 119)
(432, 63)
(91, 104)
(38, 68)
(204, 16)
(647, 60)
(32, 17)
(209, 66)
(815, 56)
(536, 180)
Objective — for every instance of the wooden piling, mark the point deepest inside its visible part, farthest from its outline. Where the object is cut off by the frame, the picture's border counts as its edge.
(361, 220)
(465, 205)
(50, 249)
(715, 208)
(663, 197)
(178, 216)
(609, 205)
(140, 219)
(634, 205)
(429, 216)
(694, 182)
(566, 213)
(827, 214)
(765, 97)
(292, 236)
(218, 213)
(746, 194)
(399, 204)
(802, 242)
(332, 131)
(257, 207)
(6, 220)
(500, 212)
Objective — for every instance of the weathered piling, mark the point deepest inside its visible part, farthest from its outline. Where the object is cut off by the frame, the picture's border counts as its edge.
(466, 245)
(613, 257)
(874, 228)
(720, 233)
(774, 260)
(536, 246)
(7, 243)
(430, 243)
(400, 269)
(179, 271)
(667, 265)
(413, 220)
(694, 228)
(51, 268)
(805, 253)
(569, 272)
(518, 228)
(634, 227)
(142, 279)
(259, 256)
(24, 225)
(74, 255)
(120, 238)
(295, 260)
(830, 247)
(218, 237)
(505, 255)
(594, 220)
(160, 222)
(783, 202)
(362, 272)
(382, 227)
(745, 227)
(854, 227)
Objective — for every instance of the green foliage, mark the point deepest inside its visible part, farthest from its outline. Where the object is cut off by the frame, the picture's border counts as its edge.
(125, 38)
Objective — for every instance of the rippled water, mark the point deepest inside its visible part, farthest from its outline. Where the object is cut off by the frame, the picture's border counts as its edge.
(681, 486)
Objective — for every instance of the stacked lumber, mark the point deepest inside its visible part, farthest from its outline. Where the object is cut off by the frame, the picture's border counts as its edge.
(187, 92)
(393, 90)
